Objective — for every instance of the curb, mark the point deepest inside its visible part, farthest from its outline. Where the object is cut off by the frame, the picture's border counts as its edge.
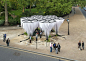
(40, 53)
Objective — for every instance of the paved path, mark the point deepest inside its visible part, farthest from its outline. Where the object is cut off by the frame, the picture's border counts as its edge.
(7, 54)
(69, 48)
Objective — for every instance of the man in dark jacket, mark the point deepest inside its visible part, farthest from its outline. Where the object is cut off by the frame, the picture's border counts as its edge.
(8, 41)
(54, 46)
(82, 45)
(79, 45)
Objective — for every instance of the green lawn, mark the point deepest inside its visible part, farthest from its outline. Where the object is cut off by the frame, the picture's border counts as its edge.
(16, 12)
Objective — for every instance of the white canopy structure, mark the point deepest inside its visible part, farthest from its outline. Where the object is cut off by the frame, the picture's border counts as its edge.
(46, 23)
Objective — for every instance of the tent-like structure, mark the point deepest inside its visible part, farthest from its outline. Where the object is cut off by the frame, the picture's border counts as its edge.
(46, 23)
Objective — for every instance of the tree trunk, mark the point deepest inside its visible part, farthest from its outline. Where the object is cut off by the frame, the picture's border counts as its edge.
(23, 9)
(30, 7)
(6, 15)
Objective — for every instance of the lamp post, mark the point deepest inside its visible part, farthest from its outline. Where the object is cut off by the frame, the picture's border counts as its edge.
(56, 30)
(68, 25)
(36, 39)
(46, 39)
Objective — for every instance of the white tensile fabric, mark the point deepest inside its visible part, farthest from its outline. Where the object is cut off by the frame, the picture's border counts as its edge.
(58, 24)
(46, 27)
(46, 23)
(22, 21)
(29, 28)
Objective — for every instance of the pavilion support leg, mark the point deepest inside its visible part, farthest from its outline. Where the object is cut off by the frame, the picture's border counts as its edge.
(46, 39)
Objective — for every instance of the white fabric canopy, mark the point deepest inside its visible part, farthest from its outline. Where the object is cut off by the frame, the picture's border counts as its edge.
(58, 24)
(46, 27)
(46, 23)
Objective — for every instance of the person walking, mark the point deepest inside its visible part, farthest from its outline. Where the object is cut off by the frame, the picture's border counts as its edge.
(79, 45)
(4, 37)
(50, 47)
(8, 41)
(82, 45)
(59, 47)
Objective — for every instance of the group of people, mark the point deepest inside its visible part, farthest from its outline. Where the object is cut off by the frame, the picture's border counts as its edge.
(79, 45)
(55, 47)
(4, 39)
(37, 33)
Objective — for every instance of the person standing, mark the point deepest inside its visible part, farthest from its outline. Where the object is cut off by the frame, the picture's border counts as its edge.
(50, 47)
(54, 46)
(30, 39)
(4, 37)
(56, 49)
(40, 34)
(82, 45)
(36, 36)
(8, 41)
(59, 47)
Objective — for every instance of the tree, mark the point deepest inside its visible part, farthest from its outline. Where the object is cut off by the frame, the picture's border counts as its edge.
(58, 7)
(5, 3)
(31, 2)
(14, 4)
(23, 4)
(55, 7)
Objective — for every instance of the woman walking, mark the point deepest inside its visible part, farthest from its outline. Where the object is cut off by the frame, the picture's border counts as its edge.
(50, 47)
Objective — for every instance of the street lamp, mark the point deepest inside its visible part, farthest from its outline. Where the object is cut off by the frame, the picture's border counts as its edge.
(36, 39)
(46, 39)
(68, 25)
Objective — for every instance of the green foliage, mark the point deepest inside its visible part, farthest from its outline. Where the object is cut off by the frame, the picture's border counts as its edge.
(25, 33)
(16, 12)
(1, 8)
(27, 14)
(2, 16)
(48, 40)
(49, 36)
(55, 7)
(2, 22)
(38, 28)
(56, 35)
(18, 19)
(12, 21)
(5, 1)
(32, 38)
